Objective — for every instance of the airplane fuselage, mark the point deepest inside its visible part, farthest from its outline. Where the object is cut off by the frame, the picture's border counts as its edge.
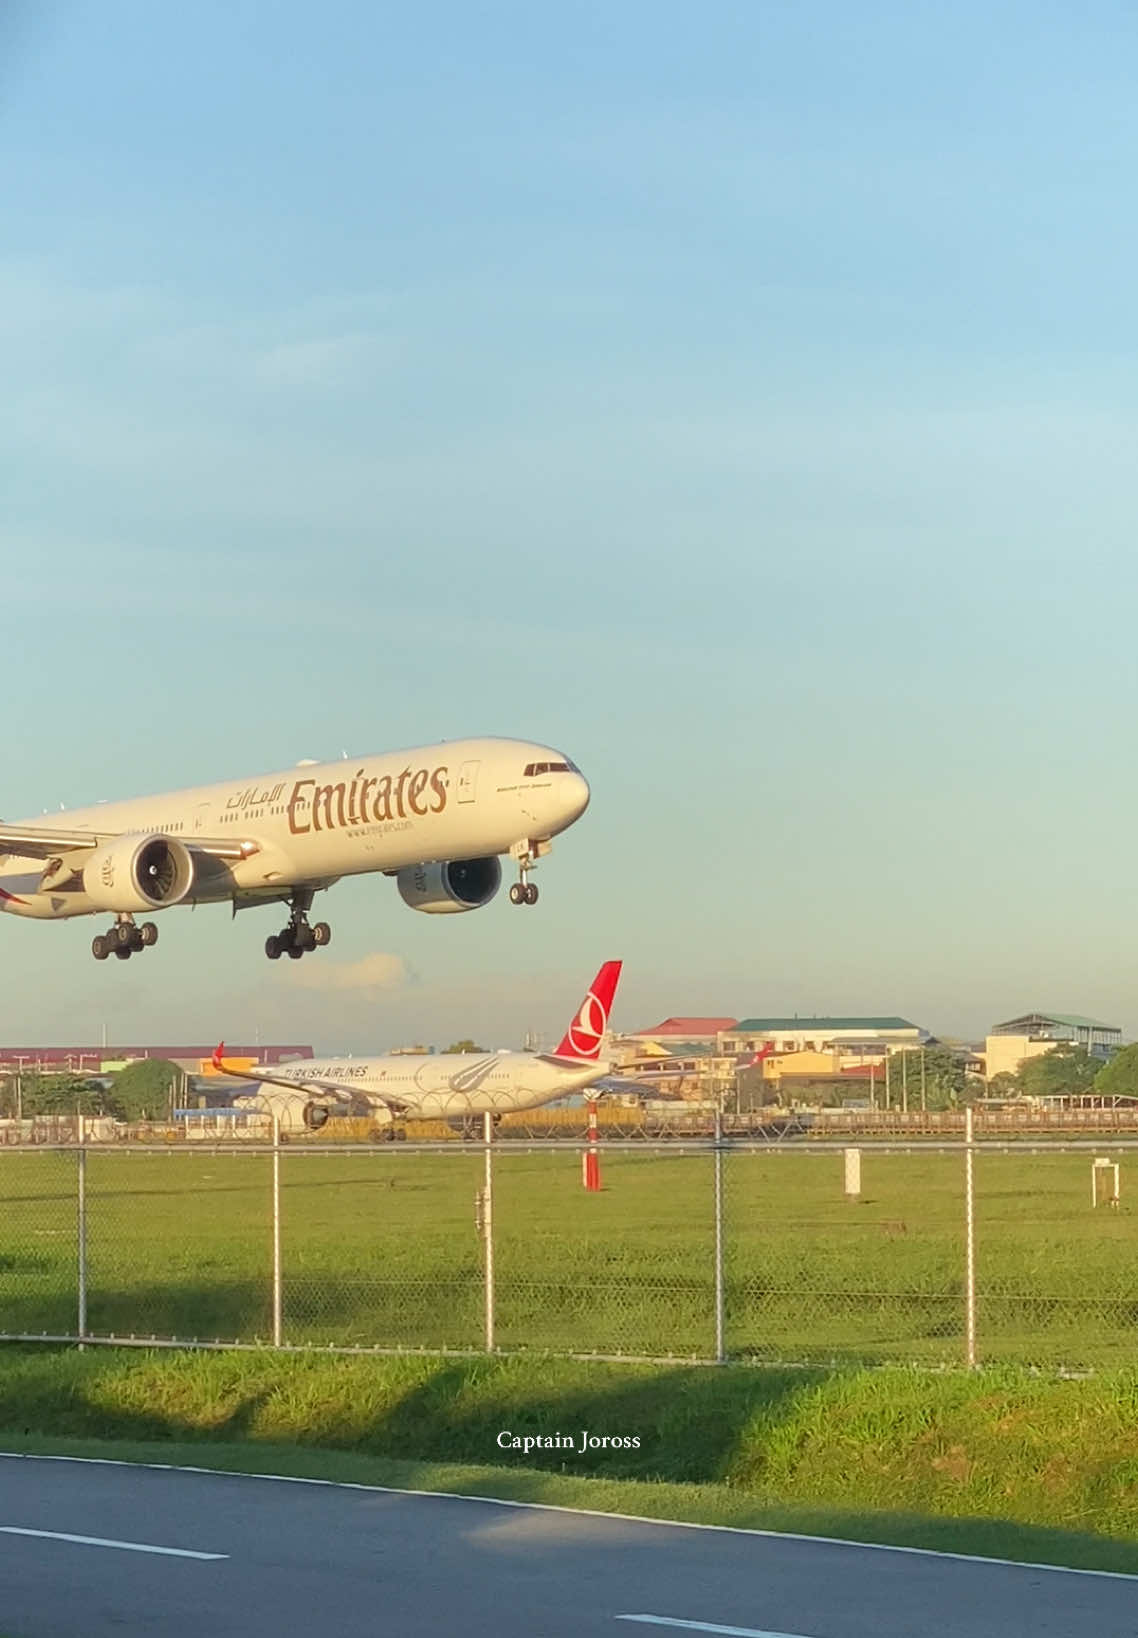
(313, 823)
(428, 1086)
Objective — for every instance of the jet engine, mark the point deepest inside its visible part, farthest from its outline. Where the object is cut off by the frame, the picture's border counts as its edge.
(138, 873)
(453, 885)
(296, 1111)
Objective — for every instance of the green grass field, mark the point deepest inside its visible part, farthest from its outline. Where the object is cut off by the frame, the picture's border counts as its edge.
(380, 1248)
(997, 1461)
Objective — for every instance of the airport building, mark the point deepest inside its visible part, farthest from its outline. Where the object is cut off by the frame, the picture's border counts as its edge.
(1033, 1033)
(711, 1057)
(855, 1040)
(678, 1058)
(674, 1033)
(98, 1060)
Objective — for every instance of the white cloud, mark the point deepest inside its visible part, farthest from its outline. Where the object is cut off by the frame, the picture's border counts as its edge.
(372, 972)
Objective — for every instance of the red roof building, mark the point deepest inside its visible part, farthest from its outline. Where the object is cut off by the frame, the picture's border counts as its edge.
(685, 1029)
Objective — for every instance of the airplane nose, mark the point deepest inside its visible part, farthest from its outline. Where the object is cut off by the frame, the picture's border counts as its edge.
(576, 796)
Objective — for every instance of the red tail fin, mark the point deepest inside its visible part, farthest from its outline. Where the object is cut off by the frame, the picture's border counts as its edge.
(585, 1034)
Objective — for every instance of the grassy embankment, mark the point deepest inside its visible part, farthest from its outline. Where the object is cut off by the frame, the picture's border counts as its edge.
(380, 1247)
(999, 1462)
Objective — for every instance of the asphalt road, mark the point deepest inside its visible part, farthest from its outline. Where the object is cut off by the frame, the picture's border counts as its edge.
(315, 1559)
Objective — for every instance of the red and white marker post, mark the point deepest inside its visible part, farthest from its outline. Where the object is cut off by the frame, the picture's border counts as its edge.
(591, 1160)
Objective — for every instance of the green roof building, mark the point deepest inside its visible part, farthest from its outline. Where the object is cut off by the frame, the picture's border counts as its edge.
(823, 1034)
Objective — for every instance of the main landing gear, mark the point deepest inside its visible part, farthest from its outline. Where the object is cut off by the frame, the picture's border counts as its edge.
(298, 937)
(124, 939)
(523, 891)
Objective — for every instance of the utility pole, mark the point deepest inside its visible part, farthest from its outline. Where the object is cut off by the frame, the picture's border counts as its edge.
(924, 1104)
(905, 1081)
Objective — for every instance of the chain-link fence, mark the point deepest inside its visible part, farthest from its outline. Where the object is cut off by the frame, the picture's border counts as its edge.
(722, 1249)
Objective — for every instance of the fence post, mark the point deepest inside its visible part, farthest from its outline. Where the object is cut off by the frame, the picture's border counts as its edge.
(277, 1284)
(488, 1224)
(969, 1243)
(720, 1347)
(81, 1230)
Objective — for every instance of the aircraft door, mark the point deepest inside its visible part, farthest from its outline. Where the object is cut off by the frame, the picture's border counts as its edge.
(468, 781)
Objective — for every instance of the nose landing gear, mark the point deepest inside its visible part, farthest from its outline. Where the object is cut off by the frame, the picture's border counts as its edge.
(527, 853)
(298, 937)
(124, 939)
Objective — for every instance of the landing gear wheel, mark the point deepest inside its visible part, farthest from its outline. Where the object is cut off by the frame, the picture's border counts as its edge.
(148, 933)
(100, 947)
(273, 947)
(517, 894)
(123, 952)
(321, 935)
(123, 935)
(530, 893)
(295, 951)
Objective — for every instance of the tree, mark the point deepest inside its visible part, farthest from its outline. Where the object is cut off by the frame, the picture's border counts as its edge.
(944, 1078)
(1004, 1085)
(465, 1046)
(141, 1091)
(63, 1094)
(1119, 1077)
(1065, 1071)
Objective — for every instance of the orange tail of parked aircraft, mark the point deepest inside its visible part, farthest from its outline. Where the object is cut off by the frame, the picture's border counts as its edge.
(584, 1037)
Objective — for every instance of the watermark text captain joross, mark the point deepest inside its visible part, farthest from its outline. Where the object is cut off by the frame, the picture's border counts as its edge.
(579, 1443)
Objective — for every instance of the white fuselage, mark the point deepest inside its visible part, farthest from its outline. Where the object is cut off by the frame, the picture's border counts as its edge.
(313, 823)
(433, 1086)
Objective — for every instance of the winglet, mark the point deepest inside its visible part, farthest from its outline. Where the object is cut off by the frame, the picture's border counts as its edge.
(217, 1052)
(585, 1035)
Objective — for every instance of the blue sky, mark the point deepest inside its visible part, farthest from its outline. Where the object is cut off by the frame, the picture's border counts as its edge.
(741, 397)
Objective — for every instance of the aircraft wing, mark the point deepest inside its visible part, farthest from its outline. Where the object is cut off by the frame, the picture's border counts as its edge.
(619, 1084)
(43, 842)
(314, 1087)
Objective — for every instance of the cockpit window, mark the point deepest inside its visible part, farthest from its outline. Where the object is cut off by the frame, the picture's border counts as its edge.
(535, 768)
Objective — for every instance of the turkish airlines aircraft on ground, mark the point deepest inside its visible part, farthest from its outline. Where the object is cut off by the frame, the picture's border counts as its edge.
(437, 818)
(442, 1086)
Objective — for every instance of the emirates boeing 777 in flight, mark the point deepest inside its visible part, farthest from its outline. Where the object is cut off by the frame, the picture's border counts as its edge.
(436, 1086)
(438, 819)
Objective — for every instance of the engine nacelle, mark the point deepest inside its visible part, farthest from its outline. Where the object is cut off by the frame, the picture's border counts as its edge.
(138, 873)
(456, 884)
(295, 1110)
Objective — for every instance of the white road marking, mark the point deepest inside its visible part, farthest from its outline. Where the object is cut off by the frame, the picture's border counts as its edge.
(981, 1560)
(104, 1541)
(706, 1626)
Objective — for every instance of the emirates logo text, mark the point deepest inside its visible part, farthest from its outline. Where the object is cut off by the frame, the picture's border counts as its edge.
(314, 807)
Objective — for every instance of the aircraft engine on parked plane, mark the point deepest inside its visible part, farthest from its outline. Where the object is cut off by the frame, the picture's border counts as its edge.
(138, 873)
(296, 1111)
(448, 887)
